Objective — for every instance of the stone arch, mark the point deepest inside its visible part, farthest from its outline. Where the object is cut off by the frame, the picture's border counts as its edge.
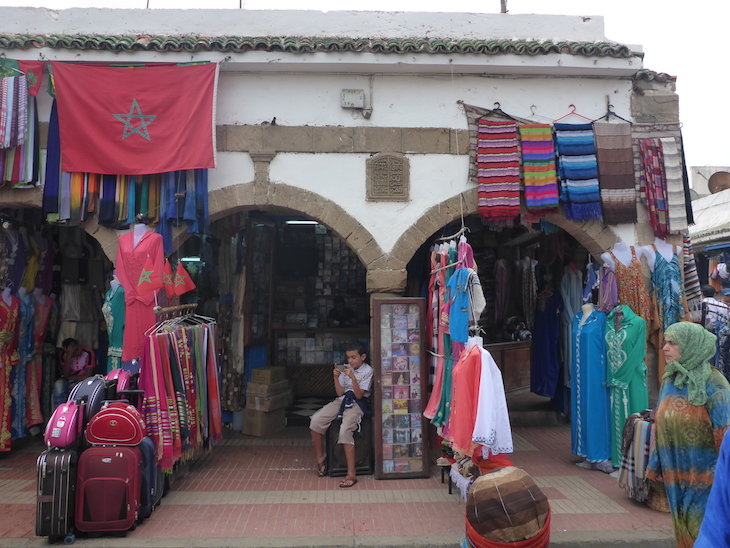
(233, 198)
(593, 235)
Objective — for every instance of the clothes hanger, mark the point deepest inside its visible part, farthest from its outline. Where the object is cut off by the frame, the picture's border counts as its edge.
(533, 114)
(609, 113)
(573, 113)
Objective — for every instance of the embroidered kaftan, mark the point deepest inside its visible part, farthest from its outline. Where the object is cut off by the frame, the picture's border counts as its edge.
(113, 311)
(545, 370)
(41, 320)
(626, 372)
(20, 371)
(139, 316)
(590, 431)
(9, 357)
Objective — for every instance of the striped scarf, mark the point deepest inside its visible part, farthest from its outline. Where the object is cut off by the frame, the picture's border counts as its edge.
(654, 185)
(616, 169)
(578, 171)
(636, 447)
(538, 165)
(691, 280)
(675, 186)
(498, 170)
(13, 111)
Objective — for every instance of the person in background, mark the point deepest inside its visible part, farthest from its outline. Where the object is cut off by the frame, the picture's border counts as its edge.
(340, 315)
(77, 363)
(691, 419)
(717, 311)
(715, 529)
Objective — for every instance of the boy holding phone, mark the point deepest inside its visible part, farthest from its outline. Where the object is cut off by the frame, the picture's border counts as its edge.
(352, 385)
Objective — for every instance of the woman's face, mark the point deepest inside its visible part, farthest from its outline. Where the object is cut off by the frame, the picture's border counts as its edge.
(671, 351)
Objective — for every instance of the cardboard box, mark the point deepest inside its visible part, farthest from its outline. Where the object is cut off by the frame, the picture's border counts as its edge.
(268, 375)
(266, 390)
(260, 423)
(259, 403)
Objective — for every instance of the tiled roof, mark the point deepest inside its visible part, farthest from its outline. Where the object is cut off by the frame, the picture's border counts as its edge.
(242, 44)
(656, 76)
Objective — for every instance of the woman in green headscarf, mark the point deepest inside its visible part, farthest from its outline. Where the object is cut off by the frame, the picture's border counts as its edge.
(691, 420)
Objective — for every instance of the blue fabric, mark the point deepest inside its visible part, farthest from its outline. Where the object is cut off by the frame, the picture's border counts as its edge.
(53, 164)
(459, 311)
(715, 529)
(545, 370)
(590, 427)
(183, 198)
(348, 400)
(107, 203)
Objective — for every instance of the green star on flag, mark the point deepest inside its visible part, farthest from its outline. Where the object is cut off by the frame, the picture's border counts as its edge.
(167, 280)
(135, 112)
(183, 282)
(149, 279)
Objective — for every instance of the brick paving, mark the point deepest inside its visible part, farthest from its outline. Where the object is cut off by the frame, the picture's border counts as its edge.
(267, 488)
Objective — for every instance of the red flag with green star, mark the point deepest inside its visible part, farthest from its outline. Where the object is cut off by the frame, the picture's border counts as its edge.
(33, 71)
(149, 279)
(167, 280)
(136, 120)
(183, 282)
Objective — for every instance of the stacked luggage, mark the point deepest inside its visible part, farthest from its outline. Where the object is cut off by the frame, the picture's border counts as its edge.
(100, 472)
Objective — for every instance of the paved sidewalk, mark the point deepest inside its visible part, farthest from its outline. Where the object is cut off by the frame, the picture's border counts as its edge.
(254, 492)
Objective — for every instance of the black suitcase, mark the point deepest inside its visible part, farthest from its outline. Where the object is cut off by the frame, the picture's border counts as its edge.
(336, 463)
(56, 494)
(93, 391)
(153, 479)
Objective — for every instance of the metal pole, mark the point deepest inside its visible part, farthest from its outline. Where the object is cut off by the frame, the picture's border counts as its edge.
(504, 6)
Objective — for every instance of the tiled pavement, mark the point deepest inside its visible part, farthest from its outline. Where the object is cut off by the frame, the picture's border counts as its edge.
(266, 492)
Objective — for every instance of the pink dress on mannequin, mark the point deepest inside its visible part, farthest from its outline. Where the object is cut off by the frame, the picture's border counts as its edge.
(139, 316)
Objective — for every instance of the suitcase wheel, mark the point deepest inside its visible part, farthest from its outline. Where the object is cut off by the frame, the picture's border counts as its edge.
(69, 539)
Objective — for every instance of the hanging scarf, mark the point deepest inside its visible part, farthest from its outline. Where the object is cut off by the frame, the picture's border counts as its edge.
(498, 171)
(578, 171)
(696, 346)
(538, 166)
(676, 210)
(654, 185)
(616, 168)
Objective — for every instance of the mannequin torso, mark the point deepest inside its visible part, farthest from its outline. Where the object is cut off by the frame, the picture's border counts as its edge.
(6, 296)
(665, 250)
(39, 296)
(587, 310)
(622, 252)
(139, 231)
(114, 284)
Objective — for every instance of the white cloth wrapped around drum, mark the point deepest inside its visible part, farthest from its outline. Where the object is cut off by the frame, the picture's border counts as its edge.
(506, 506)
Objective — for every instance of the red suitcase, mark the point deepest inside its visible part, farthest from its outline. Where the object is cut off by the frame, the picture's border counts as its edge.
(118, 423)
(108, 489)
(65, 427)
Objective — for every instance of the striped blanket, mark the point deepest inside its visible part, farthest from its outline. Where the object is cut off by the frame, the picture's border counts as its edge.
(578, 171)
(498, 170)
(616, 172)
(636, 447)
(538, 164)
(654, 185)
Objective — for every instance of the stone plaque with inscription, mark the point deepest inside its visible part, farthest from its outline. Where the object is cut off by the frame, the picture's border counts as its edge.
(387, 178)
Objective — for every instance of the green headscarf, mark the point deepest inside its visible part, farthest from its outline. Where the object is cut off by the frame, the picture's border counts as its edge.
(696, 346)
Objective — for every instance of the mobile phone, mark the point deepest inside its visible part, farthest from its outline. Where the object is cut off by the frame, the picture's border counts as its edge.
(341, 367)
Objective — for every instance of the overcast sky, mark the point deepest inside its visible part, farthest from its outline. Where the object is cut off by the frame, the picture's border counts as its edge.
(685, 40)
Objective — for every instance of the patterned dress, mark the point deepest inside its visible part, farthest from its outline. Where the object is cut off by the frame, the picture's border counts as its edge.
(9, 357)
(113, 312)
(688, 439)
(631, 287)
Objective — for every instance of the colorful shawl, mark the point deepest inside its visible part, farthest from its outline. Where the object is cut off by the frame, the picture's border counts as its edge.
(13, 111)
(654, 185)
(691, 280)
(538, 166)
(696, 346)
(498, 165)
(616, 172)
(636, 449)
(675, 186)
(578, 171)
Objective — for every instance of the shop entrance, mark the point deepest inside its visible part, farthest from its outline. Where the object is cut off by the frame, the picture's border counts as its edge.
(290, 295)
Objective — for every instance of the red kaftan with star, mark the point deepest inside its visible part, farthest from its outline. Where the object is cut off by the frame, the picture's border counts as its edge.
(139, 316)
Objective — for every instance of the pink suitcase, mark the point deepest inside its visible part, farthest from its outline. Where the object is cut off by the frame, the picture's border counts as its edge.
(118, 423)
(65, 427)
(123, 378)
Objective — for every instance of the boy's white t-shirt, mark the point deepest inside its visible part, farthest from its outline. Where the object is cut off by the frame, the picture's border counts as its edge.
(364, 376)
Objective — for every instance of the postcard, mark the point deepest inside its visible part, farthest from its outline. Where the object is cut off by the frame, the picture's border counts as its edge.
(401, 466)
(400, 309)
(400, 322)
(401, 377)
(400, 392)
(400, 407)
(388, 451)
(400, 451)
(400, 363)
(386, 364)
(400, 335)
(402, 421)
(413, 322)
(387, 435)
(414, 363)
(415, 420)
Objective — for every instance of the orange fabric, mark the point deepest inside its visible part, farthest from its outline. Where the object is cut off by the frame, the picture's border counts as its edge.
(491, 463)
(541, 540)
(465, 382)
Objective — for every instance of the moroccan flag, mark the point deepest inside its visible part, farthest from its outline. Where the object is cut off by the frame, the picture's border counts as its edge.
(149, 279)
(183, 282)
(33, 71)
(167, 280)
(136, 120)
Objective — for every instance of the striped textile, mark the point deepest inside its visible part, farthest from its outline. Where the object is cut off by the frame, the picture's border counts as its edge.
(505, 506)
(616, 172)
(654, 185)
(538, 166)
(13, 111)
(675, 186)
(691, 280)
(578, 171)
(498, 170)
(636, 447)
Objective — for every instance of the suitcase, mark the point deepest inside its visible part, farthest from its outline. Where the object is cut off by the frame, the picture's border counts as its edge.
(153, 479)
(55, 496)
(123, 381)
(65, 427)
(117, 423)
(336, 462)
(93, 391)
(108, 489)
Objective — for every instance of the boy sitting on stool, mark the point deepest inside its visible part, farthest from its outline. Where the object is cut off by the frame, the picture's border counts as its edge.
(352, 386)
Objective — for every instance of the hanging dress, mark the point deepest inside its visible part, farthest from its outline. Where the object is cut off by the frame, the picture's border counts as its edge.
(571, 289)
(41, 320)
(631, 287)
(19, 374)
(113, 311)
(545, 370)
(9, 357)
(139, 316)
(590, 431)
(626, 371)
(666, 302)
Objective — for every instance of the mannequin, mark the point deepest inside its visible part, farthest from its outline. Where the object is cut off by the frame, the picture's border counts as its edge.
(39, 296)
(474, 341)
(7, 297)
(22, 292)
(114, 283)
(587, 310)
(622, 252)
(139, 230)
(665, 250)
